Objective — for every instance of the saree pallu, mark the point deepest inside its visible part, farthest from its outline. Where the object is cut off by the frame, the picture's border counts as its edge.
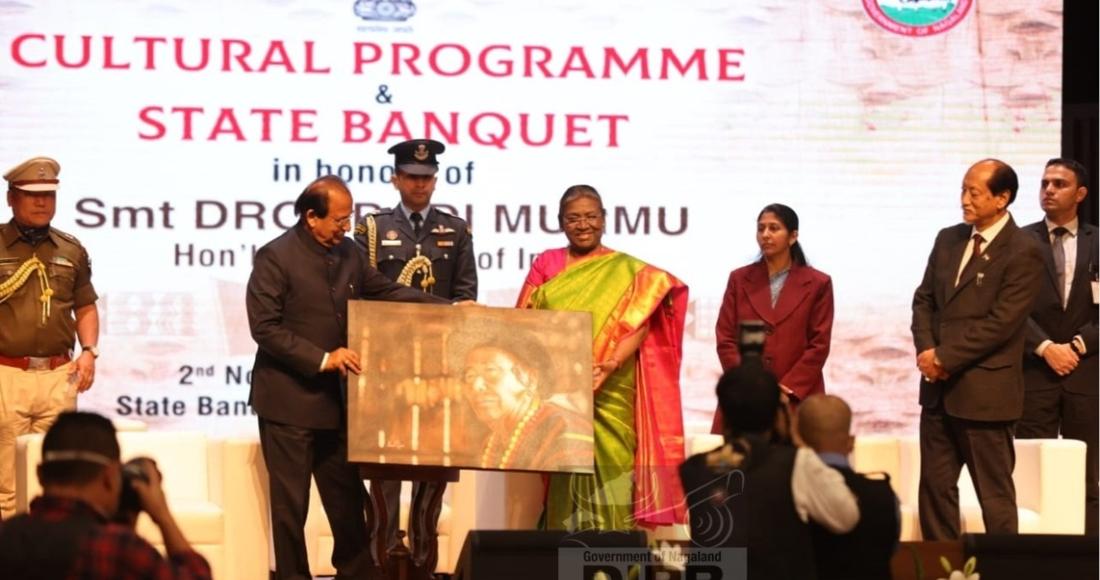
(637, 416)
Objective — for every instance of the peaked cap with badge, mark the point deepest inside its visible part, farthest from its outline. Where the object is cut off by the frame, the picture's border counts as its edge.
(37, 174)
(417, 157)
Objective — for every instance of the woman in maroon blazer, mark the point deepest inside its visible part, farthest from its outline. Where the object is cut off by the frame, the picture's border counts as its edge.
(794, 301)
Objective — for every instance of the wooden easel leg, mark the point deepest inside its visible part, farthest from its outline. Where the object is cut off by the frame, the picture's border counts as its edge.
(427, 502)
(378, 549)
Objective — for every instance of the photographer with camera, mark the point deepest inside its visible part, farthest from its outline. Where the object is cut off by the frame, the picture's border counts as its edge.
(761, 490)
(818, 437)
(69, 532)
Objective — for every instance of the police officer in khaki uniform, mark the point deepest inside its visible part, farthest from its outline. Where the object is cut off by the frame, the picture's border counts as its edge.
(46, 296)
(421, 246)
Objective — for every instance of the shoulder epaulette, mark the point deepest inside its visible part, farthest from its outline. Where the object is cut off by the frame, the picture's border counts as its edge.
(449, 215)
(67, 236)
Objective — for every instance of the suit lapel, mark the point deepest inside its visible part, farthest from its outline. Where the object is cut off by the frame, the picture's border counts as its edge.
(1081, 267)
(954, 258)
(990, 255)
(792, 293)
(759, 292)
(1040, 230)
(1043, 236)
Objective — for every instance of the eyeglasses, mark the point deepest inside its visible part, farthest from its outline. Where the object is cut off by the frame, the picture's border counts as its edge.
(344, 221)
(574, 220)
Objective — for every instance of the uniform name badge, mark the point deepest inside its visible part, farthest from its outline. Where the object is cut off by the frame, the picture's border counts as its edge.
(444, 243)
(391, 242)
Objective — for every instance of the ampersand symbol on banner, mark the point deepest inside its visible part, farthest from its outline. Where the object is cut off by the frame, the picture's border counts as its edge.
(383, 97)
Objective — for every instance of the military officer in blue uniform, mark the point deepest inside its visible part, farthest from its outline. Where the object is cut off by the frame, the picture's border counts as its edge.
(417, 244)
(426, 248)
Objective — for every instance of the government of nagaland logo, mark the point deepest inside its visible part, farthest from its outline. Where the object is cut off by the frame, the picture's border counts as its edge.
(917, 17)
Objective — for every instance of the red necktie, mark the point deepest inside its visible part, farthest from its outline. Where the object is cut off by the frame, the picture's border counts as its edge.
(977, 251)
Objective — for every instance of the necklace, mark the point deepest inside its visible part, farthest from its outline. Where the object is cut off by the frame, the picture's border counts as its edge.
(512, 441)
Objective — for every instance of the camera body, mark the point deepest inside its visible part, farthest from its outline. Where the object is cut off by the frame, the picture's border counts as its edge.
(750, 340)
(129, 504)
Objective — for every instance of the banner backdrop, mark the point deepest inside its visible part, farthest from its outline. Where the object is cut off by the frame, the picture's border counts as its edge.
(186, 129)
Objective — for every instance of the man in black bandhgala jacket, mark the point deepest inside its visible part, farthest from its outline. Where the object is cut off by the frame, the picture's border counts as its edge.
(297, 310)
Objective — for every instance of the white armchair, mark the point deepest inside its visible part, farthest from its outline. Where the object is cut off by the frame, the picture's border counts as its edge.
(1049, 478)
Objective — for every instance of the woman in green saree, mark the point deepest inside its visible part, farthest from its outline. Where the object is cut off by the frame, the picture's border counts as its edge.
(637, 330)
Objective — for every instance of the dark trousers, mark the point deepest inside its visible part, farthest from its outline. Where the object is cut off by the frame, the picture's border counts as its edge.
(985, 447)
(423, 516)
(292, 455)
(1050, 412)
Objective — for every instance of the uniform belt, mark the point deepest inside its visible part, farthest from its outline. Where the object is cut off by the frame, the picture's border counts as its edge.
(35, 363)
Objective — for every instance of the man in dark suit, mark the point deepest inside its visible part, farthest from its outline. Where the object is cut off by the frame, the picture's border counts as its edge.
(969, 320)
(431, 250)
(297, 310)
(1060, 368)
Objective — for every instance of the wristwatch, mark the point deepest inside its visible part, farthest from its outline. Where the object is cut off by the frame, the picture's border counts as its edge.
(92, 349)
